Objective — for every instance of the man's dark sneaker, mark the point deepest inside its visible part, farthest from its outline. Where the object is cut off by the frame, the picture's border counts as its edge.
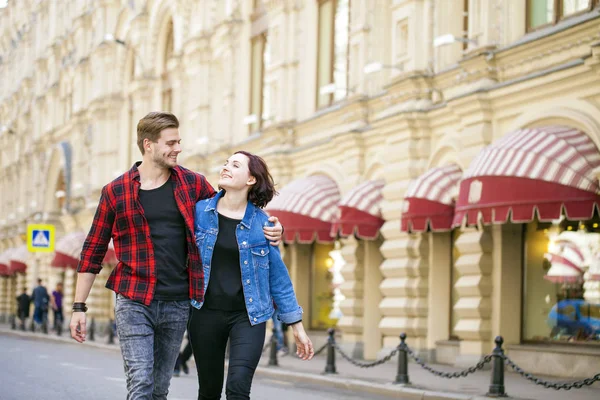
(185, 368)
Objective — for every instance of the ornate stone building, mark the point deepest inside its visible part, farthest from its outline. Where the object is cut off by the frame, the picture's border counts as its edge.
(441, 156)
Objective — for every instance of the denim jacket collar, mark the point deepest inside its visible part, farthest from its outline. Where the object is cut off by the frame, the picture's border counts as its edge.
(248, 216)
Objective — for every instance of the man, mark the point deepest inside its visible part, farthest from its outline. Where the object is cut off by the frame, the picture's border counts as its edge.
(23, 302)
(149, 213)
(56, 304)
(40, 299)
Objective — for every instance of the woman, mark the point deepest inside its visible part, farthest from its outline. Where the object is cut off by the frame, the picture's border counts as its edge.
(243, 274)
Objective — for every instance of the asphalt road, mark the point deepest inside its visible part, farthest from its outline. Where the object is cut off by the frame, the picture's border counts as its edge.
(37, 369)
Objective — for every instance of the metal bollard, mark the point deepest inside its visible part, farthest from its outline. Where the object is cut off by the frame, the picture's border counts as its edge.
(111, 333)
(402, 375)
(273, 350)
(330, 366)
(59, 327)
(91, 332)
(32, 326)
(497, 381)
(45, 326)
(13, 322)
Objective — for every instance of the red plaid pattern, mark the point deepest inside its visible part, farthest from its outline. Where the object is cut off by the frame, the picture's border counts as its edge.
(120, 215)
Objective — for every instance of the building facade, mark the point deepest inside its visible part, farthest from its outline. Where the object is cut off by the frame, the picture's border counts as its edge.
(442, 157)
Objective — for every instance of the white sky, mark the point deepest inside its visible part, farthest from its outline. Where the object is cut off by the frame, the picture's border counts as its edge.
(3, 3)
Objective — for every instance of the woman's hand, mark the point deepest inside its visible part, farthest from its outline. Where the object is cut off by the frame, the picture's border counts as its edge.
(304, 347)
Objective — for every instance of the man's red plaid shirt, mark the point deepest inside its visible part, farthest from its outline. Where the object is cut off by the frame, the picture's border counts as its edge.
(121, 216)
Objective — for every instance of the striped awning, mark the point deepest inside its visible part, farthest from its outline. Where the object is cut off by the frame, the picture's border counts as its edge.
(548, 171)
(5, 262)
(18, 259)
(306, 208)
(429, 200)
(68, 249)
(566, 263)
(360, 211)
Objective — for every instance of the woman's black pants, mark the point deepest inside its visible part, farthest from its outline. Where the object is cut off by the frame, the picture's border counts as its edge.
(209, 331)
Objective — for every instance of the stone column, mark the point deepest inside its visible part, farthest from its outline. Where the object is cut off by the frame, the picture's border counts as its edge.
(372, 337)
(99, 301)
(3, 298)
(12, 295)
(474, 287)
(404, 307)
(440, 284)
(351, 324)
(69, 283)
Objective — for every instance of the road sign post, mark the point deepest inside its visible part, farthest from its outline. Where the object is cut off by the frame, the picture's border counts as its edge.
(40, 238)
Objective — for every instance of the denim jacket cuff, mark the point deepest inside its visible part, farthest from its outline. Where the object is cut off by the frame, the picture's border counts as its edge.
(293, 316)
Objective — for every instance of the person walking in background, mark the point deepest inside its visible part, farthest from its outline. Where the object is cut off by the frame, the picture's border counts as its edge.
(23, 304)
(40, 300)
(149, 213)
(278, 332)
(183, 358)
(243, 276)
(56, 304)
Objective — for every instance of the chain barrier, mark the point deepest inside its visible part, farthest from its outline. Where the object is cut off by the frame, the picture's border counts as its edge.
(365, 364)
(449, 375)
(548, 384)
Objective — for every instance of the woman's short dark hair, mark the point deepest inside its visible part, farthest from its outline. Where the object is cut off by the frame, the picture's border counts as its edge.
(262, 192)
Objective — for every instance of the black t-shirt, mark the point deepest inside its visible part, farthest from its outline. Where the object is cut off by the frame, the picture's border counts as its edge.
(224, 290)
(167, 229)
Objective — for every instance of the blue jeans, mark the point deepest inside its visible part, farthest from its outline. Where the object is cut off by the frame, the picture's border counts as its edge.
(150, 338)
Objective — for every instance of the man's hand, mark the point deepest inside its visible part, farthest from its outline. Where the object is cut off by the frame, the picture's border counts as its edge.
(273, 233)
(77, 325)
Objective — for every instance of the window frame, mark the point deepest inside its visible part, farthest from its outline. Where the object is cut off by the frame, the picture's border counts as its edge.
(557, 14)
(259, 37)
(332, 53)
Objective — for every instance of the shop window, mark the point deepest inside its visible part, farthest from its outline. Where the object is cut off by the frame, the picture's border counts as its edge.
(332, 58)
(561, 259)
(257, 94)
(322, 288)
(541, 13)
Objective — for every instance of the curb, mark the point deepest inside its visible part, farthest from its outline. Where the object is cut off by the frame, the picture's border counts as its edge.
(406, 392)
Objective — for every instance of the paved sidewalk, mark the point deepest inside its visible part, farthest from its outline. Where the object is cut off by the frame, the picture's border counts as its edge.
(424, 385)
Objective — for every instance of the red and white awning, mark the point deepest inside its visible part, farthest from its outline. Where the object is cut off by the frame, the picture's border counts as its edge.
(546, 170)
(68, 250)
(306, 208)
(567, 262)
(360, 211)
(429, 200)
(5, 262)
(18, 259)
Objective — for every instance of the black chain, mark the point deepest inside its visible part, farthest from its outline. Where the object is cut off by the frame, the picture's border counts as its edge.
(449, 375)
(548, 384)
(365, 364)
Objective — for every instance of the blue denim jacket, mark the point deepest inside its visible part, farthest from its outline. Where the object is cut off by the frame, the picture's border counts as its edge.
(264, 275)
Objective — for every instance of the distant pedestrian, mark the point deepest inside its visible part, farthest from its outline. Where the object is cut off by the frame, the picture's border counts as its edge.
(56, 304)
(23, 304)
(183, 358)
(278, 332)
(40, 300)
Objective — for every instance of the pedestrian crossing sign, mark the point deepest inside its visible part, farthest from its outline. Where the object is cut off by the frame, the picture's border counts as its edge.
(40, 238)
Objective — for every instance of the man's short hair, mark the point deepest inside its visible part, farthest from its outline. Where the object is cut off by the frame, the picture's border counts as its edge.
(152, 125)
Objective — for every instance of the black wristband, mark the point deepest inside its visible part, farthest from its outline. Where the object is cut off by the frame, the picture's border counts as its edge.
(79, 307)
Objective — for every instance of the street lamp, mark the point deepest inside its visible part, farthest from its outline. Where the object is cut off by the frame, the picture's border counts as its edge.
(111, 38)
(374, 67)
(450, 38)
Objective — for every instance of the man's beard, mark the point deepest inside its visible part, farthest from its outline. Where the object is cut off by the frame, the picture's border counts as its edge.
(161, 162)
